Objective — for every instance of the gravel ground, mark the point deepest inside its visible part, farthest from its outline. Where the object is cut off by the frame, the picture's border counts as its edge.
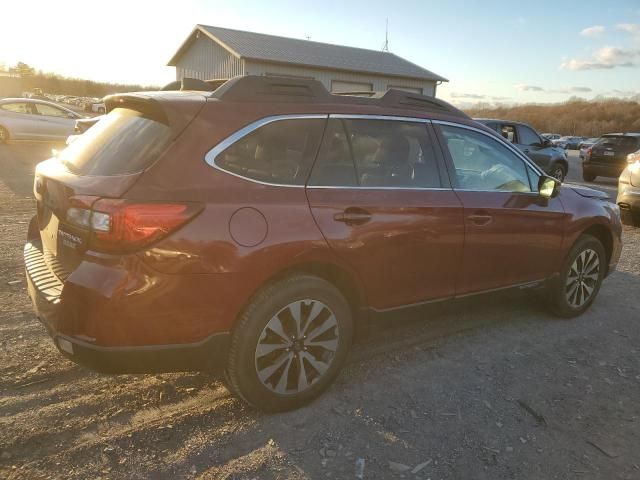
(487, 388)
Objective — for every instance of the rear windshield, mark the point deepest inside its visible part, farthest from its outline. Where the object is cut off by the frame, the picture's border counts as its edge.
(618, 141)
(122, 142)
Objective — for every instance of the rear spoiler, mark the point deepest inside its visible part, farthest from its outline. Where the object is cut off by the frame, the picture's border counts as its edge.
(174, 110)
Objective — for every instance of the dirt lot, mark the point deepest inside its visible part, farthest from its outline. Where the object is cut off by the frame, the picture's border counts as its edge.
(486, 388)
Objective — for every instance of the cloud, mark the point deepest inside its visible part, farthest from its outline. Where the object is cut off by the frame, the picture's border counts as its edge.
(633, 28)
(565, 90)
(594, 31)
(624, 93)
(471, 96)
(605, 58)
(529, 88)
(571, 90)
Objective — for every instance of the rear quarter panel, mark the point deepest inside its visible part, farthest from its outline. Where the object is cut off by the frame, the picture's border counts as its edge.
(278, 234)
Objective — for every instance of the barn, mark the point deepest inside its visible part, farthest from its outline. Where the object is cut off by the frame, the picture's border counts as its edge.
(215, 53)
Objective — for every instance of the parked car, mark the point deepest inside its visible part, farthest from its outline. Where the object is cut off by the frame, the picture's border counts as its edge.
(629, 191)
(29, 119)
(585, 145)
(551, 136)
(568, 143)
(259, 227)
(552, 160)
(609, 156)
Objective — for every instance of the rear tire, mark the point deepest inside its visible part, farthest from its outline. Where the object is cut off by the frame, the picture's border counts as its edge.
(4, 135)
(588, 177)
(580, 278)
(289, 343)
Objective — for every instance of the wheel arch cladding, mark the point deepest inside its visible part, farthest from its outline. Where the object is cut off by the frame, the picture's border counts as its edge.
(603, 234)
(339, 277)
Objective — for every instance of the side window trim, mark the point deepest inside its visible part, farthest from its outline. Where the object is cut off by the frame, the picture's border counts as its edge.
(496, 137)
(210, 156)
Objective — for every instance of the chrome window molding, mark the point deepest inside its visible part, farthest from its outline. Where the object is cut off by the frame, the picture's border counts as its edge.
(360, 187)
(518, 153)
(210, 156)
(395, 118)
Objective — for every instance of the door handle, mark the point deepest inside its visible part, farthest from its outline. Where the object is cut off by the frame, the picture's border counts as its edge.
(526, 150)
(480, 218)
(353, 216)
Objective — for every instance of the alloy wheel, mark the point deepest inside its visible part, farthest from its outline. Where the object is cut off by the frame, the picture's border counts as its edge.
(558, 173)
(582, 278)
(296, 347)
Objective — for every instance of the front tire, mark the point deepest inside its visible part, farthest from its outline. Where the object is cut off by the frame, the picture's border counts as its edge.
(580, 278)
(558, 171)
(289, 343)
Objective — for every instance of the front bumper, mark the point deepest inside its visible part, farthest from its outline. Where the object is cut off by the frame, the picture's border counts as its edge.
(629, 202)
(66, 324)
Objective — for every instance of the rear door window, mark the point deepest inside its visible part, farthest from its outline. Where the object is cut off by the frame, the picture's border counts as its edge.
(280, 152)
(376, 153)
(509, 133)
(122, 142)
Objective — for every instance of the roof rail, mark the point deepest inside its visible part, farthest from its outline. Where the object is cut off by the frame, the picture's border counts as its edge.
(190, 84)
(267, 88)
(358, 93)
(255, 88)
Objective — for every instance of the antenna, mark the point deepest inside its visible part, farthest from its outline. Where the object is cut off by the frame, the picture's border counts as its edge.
(385, 47)
(307, 36)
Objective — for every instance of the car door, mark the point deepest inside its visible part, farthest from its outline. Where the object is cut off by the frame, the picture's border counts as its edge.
(532, 145)
(17, 119)
(55, 123)
(512, 235)
(380, 195)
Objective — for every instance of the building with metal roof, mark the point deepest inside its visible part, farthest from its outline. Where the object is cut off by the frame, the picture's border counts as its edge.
(211, 53)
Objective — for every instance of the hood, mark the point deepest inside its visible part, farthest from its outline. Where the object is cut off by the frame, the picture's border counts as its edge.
(586, 191)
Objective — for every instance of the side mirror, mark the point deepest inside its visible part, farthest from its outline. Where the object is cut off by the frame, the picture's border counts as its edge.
(548, 186)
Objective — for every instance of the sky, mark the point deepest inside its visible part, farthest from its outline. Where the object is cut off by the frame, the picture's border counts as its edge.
(491, 51)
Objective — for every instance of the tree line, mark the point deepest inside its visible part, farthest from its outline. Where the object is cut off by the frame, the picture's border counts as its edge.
(575, 117)
(61, 85)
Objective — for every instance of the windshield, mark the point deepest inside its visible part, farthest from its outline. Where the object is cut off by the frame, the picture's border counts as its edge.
(122, 142)
(618, 141)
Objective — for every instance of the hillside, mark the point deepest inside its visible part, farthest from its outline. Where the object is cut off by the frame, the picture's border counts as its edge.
(578, 117)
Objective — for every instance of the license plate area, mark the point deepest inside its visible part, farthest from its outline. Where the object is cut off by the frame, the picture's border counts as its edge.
(608, 153)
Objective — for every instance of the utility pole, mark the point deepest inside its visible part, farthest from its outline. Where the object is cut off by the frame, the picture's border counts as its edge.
(385, 47)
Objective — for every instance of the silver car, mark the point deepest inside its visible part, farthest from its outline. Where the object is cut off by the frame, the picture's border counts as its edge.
(29, 119)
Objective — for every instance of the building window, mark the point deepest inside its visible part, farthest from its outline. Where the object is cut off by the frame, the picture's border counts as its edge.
(340, 86)
(417, 90)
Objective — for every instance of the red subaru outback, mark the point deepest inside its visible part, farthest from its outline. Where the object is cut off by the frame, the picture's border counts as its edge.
(258, 226)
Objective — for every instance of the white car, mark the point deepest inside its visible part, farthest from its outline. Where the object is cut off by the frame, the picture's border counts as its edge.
(29, 119)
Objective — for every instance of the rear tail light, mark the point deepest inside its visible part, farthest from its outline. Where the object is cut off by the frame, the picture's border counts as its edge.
(123, 226)
(588, 154)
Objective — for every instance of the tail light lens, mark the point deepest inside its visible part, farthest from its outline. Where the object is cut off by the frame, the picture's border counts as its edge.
(121, 226)
(588, 154)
